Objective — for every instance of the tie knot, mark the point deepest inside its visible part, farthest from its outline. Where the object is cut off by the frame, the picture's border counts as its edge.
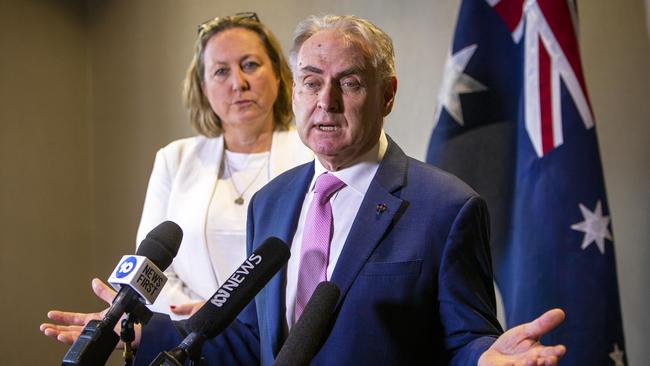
(326, 185)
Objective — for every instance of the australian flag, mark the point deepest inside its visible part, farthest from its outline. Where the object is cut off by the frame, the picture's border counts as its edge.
(515, 122)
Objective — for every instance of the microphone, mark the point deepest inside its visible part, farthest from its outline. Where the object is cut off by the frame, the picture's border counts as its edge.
(309, 332)
(137, 278)
(228, 301)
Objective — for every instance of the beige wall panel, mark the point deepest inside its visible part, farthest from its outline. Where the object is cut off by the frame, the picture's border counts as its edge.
(45, 173)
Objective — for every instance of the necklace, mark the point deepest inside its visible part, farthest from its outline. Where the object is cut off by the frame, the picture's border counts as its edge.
(240, 194)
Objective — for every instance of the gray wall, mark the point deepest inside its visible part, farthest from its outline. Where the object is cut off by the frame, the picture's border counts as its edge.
(90, 89)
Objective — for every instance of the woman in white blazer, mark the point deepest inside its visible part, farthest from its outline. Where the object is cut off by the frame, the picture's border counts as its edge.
(238, 92)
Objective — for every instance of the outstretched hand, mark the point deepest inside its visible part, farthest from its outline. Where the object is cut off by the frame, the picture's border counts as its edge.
(520, 345)
(71, 324)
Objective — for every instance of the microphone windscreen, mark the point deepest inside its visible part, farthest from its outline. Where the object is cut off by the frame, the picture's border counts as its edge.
(307, 335)
(161, 244)
(242, 286)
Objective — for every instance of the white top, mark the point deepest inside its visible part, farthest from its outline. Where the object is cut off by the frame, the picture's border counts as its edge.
(345, 205)
(241, 174)
(183, 181)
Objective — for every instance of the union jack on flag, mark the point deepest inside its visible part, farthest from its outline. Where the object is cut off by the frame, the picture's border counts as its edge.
(515, 122)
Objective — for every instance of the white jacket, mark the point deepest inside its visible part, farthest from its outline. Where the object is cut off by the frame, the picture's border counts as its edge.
(180, 187)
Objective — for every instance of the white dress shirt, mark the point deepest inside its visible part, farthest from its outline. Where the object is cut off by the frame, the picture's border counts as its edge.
(345, 204)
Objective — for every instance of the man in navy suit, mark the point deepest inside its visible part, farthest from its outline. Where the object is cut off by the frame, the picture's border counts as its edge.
(409, 245)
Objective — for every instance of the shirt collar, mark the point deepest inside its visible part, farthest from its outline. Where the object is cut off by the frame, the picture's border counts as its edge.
(359, 175)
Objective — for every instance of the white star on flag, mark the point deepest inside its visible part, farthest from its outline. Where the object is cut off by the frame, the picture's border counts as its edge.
(594, 227)
(617, 356)
(455, 82)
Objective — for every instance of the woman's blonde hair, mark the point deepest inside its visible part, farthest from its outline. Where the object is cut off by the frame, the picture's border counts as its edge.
(202, 117)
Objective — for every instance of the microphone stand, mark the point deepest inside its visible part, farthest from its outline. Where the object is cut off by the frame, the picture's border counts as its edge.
(190, 349)
(98, 339)
(127, 335)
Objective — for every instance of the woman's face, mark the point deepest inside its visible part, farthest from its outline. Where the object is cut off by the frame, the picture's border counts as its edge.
(239, 80)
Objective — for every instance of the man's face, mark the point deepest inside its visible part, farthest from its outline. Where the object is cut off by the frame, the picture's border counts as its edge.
(338, 99)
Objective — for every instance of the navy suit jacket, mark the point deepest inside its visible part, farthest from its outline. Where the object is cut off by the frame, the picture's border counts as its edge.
(415, 278)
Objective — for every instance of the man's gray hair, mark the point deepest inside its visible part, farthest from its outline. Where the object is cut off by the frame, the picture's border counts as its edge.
(376, 43)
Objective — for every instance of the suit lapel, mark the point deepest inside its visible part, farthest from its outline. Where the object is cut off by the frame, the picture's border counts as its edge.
(377, 212)
(289, 202)
(281, 158)
(283, 225)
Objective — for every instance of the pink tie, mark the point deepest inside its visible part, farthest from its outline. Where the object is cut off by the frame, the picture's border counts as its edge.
(314, 254)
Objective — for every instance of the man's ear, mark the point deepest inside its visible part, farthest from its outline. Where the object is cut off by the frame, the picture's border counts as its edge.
(390, 89)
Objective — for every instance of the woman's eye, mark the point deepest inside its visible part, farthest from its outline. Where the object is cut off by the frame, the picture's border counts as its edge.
(222, 71)
(250, 66)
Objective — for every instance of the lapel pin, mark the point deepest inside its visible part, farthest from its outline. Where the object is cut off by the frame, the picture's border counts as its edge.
(381, 208)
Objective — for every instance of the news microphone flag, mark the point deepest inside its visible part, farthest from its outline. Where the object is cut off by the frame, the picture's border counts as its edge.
(515, 122)
(141, 275)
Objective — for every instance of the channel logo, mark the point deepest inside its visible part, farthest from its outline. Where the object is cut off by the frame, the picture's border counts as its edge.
(126, 267)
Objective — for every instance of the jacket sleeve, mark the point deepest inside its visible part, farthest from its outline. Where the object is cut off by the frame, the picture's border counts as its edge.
(236, 345)
(153, 213)
(466, 290)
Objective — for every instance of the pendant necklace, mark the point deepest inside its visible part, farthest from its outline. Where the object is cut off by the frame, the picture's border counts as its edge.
(240, 195)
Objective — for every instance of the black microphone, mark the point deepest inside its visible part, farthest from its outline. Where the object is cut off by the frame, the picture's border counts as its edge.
(309, 332)
(228, 301)
(155, 253)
